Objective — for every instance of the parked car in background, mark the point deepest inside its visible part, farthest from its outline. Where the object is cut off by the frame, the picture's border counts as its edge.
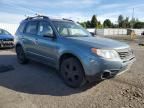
(66, 46)
(6, 39)
(142, 33)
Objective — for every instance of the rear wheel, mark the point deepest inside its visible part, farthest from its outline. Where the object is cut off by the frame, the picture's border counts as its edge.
(72, 72)
(21, 55)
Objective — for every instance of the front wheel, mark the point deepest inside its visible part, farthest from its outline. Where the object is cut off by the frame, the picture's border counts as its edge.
(21, 55)
(72, 72)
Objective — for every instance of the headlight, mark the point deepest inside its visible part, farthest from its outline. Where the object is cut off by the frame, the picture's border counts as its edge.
(108, 54)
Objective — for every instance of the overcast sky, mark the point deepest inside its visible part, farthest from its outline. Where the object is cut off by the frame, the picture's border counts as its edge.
(13, 11)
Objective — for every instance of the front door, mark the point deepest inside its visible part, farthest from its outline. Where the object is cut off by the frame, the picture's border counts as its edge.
(47, 45)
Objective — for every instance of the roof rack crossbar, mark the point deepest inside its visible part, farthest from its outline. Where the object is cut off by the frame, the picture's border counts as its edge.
(38, 16)
(68, 19)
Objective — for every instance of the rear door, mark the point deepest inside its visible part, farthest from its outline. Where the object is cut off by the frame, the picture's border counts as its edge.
(30, 38)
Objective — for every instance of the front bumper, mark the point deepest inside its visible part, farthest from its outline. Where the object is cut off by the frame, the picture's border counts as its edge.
(6, 44)
(113, 67)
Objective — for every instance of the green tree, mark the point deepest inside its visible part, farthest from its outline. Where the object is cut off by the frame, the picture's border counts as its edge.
(126, 23)
(138, 25)
(99, 25)
(83, 24)
(137, 20)
(94, 21)
(132, 22)
(88, 24)
(120, 20)
(114, 25)
(107, 23)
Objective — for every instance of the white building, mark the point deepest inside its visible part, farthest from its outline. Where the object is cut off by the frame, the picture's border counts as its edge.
(114, 31)
(9, 27)
(102, 32)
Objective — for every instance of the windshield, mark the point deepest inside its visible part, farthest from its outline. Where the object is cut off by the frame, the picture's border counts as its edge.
(70, 29)
(4, 32)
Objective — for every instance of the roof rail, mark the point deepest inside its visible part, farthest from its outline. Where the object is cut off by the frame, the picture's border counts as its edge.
(37, 17)
(68, 19)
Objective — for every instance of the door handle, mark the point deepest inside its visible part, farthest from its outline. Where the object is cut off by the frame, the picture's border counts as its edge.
(36, 41)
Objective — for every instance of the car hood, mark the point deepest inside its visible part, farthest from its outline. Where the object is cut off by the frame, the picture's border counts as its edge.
(6, 37)
(99, 42)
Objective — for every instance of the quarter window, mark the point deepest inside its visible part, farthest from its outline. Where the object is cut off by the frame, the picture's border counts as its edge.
(21, 28)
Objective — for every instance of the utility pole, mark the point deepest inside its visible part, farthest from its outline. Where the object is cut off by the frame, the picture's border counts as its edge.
(132, 18)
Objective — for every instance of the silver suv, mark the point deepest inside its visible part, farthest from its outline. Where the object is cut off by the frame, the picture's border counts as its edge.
(66, 46)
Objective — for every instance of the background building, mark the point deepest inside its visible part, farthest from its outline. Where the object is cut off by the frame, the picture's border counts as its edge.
(9, 27)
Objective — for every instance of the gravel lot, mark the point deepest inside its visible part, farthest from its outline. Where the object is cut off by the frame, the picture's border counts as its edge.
(38, 86)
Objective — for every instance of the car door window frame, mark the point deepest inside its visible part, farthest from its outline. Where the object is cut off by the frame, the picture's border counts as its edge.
(48, 24)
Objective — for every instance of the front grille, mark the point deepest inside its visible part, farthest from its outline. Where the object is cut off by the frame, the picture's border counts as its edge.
(6, 39)
(6, 43)
(125, 54)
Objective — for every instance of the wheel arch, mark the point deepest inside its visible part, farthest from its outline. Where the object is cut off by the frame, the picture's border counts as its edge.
(18, 44)
(68, 55)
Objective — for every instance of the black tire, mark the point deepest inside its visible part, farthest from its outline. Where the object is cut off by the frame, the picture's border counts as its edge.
(21, 55)
(72, 72)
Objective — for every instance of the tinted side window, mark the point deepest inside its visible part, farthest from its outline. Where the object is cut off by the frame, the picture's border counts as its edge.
(31, 28)
(45, 28)
(21, 27)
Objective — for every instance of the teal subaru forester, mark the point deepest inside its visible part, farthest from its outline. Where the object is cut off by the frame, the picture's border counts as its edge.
(78, 56)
